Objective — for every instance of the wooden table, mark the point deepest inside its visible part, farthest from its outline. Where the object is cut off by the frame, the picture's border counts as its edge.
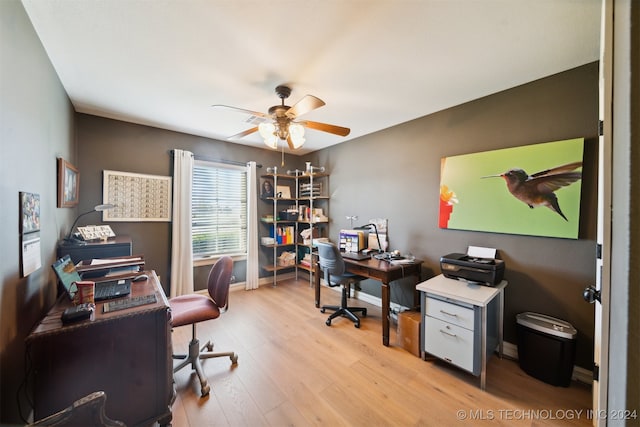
(383, 271)
(126, 354)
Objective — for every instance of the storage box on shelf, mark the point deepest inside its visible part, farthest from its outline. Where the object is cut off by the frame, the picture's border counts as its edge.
(296, 222)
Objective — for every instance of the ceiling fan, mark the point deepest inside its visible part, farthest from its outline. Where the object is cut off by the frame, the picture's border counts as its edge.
(280, 122)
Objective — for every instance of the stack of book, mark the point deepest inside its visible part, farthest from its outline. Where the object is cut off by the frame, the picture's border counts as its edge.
(306, 261)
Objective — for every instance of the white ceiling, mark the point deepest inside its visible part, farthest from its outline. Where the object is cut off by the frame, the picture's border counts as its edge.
(376, 63)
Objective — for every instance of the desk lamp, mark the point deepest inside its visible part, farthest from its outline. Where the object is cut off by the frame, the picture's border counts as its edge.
(69, 240)
(365, 227)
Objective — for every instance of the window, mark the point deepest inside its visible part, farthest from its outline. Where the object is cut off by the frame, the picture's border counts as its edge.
(218, 209)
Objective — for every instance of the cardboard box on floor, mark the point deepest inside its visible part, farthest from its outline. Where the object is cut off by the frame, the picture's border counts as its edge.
(409, 331)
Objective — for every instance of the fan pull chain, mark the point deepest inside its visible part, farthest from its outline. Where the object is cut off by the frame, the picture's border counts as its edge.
(282, 161)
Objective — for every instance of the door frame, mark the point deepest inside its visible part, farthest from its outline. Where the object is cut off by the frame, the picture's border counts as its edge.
(603, 260)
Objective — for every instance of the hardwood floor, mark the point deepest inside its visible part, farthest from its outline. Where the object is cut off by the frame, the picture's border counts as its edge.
(293, 370)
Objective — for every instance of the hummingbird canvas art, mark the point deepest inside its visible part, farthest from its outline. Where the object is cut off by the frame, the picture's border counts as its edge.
(539, 189)
(539, 175)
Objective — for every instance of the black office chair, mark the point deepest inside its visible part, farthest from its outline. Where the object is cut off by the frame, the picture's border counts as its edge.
(193, 308)
(335, 274)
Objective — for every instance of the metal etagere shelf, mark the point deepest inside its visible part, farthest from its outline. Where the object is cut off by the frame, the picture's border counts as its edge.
(301, 209)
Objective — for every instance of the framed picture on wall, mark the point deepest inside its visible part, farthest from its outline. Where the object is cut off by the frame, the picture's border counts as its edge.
(68, 184)
(266, 188)
(30, 258)
(283, 192)
(137, 197)
(529, 190)
(29, 213)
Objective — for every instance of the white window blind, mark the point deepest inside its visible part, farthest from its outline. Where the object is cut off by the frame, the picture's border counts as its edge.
(219, 209)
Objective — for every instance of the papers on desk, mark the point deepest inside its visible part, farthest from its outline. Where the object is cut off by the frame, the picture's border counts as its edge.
(401, 261)
(111, 267)
(104, 261)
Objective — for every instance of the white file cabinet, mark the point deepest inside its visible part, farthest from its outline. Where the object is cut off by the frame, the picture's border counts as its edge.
(462, 322)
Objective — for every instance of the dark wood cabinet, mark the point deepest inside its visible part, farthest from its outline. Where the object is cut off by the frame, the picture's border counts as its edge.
(126, 354)
(117, 246)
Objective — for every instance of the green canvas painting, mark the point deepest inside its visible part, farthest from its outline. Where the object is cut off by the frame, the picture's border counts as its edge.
(531, 190)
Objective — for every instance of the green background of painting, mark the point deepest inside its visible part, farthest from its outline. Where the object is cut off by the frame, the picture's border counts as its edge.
(487, 205)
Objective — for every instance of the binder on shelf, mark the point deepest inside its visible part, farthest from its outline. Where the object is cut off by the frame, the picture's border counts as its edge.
(283, 235)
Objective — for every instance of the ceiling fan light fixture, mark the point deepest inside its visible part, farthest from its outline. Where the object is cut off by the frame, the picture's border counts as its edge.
(296, 132)
(282, 127)
(266, 130)
(271, 142)
(297, 142)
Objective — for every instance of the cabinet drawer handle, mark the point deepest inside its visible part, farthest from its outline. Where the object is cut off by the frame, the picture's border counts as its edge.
(448, 333)
(448, 314)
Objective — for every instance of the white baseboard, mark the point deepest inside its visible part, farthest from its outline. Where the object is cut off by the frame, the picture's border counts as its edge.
(262, 281)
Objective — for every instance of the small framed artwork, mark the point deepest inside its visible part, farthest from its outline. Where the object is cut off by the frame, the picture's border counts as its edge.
(30, 258)
(266, 188)
(283, 192)
(29, 213)
(68, 184)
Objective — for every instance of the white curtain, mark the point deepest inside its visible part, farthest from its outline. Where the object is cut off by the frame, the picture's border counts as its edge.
(252, 228)
(181, 248)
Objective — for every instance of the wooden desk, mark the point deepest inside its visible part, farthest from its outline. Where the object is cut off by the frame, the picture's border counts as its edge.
(126, 354)
(385, 273)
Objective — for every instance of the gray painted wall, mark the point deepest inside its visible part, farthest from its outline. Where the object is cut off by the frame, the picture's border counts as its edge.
(397, 177)
(36, 126)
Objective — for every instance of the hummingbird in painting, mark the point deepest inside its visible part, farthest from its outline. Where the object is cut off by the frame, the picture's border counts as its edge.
(538, 189)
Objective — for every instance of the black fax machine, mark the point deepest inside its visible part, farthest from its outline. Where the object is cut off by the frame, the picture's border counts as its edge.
(486, 271)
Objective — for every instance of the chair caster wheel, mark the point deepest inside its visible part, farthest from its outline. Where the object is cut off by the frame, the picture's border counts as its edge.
(205, 390)
(357, 325)
(209, 346)
(322, 310)
(328, 322)
(234, 359)
(364, 313)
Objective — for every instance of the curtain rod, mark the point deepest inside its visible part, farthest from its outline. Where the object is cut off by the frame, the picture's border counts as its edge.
(228, 162)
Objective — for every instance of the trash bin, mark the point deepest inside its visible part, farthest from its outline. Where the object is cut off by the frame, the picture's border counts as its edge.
(546, 348)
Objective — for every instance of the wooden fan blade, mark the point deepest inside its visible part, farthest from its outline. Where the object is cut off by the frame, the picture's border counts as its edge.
(241, 110)
(324, 127)
(290, 142)
(245, 133)
(306, 104)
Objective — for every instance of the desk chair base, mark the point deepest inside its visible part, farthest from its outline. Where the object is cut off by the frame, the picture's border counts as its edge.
(194, 357)
(343, 310)
(86, 411)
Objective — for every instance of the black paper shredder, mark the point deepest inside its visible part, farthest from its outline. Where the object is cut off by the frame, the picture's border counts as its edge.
(546, 348)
